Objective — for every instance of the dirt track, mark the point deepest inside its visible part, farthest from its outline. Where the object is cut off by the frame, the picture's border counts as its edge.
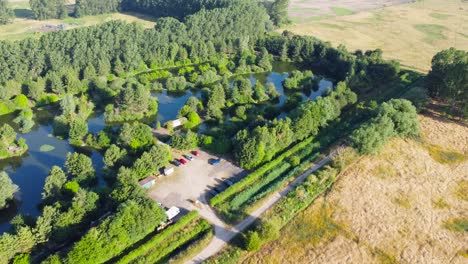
(389, 208)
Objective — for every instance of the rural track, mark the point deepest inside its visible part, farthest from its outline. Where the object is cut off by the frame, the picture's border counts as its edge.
(223, 233)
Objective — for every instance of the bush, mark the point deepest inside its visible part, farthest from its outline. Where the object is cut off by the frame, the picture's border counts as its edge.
(252, 241)
(254, 176)
(294, 161)
(153, 242)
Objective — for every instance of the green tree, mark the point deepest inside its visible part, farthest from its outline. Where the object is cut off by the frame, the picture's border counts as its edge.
(135, 136)
(252, 241)
(279, 12)
(54, 183)
(448, 79)
(150, 162)
(48, 9)
(79, 167)
(7, 189)
(185, 142)
(7, 135)
(21, 259)
(45, 224)
(6, 14)
(78, 129)
(114, 156)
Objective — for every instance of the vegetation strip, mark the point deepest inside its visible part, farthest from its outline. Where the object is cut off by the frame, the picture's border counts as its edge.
(159, 237)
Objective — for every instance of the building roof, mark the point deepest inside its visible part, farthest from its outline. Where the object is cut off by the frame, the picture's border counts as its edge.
(146, 180)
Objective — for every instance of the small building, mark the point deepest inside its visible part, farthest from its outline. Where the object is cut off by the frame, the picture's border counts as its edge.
(172, 212)
(176, 123)
(168, 171)
(147, 183)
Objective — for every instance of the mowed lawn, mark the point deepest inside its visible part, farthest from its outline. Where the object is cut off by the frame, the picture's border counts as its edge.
(25, 26)
(411, 33)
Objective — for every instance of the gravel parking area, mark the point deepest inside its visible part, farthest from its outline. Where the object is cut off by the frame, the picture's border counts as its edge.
(193, 181)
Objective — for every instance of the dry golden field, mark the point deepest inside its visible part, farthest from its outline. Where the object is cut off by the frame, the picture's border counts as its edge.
(411, 33)
(408, 204)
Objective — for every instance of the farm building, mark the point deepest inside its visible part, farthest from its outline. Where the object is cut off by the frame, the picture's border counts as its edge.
(147, 183)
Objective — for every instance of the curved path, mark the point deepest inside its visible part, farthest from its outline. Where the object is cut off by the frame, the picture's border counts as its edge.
(224, 234)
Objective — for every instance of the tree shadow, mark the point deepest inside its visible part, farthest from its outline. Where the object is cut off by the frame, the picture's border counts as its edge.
(23, 13)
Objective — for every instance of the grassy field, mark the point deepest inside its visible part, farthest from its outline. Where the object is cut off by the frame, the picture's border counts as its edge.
(411, 33)
(25, 26)
(401, 206)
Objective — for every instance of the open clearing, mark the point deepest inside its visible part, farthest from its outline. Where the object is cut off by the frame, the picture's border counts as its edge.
(25, 26)
(193, 181)
(411, 33)
(397, 207)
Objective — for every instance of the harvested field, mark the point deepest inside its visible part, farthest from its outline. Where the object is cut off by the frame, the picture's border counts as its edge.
(401, 206)
(411, 33)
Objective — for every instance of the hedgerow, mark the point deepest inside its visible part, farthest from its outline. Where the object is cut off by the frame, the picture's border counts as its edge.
(159, 238)
(254, 176)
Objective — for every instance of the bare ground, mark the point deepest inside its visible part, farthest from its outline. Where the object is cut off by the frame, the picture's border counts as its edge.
(390, 208)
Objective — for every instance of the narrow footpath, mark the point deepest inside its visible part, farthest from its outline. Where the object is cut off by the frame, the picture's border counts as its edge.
(223, 234)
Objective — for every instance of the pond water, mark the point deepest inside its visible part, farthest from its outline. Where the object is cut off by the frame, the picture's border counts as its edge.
(29, 171)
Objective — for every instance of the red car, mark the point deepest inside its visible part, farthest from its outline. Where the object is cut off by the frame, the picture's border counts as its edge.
(195, 153)
(183, 161)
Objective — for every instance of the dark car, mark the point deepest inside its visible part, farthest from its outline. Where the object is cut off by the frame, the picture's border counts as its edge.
(214, 161)
(188, 157)
(177, 163)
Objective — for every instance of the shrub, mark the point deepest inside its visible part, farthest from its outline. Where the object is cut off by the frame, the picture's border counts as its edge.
(252, 241)
(254, 176)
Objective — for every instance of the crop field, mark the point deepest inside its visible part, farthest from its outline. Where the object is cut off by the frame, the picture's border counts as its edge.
(24, 25)
(405, 205)
(408, 32)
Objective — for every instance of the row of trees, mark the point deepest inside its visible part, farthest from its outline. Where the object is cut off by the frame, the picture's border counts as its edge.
(131, 45)
(48, 9)
(95, 7)
(6, 14)
(254, 147)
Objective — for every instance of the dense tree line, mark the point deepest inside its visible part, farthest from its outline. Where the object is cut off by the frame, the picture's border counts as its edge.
(261, 144)
(95, 7)
(172, 8)
(77, 60)
(448, 79)
(359, 69)
(48, 9)
(6, 14)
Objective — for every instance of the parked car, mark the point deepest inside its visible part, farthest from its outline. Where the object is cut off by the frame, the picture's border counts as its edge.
(177, 163)
(188, 157)
(196, 153)
(183, 161)
(214, 161)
